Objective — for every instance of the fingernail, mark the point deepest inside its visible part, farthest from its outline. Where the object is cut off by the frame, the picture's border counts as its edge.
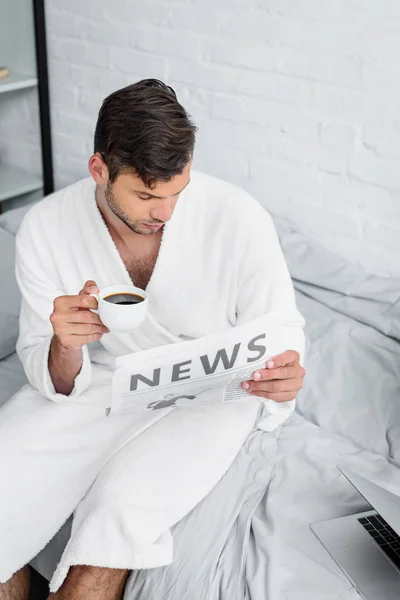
(245, 385)
(93, 288)
(270, 364)
(257, 375)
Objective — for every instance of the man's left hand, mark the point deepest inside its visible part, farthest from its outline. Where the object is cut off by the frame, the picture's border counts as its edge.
(280, 381)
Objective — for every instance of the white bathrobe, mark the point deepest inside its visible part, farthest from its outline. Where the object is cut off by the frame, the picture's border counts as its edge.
(219, 265)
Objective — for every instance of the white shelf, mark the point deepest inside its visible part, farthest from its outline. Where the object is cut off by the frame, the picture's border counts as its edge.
(17, 81)
(14, 182)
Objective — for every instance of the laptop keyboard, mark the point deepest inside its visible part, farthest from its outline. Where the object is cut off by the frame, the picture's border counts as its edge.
(384, 536)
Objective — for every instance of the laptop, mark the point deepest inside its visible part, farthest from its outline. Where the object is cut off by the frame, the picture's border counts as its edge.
(366, 546)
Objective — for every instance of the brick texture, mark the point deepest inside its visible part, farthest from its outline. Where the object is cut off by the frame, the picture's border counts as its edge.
(297, 101)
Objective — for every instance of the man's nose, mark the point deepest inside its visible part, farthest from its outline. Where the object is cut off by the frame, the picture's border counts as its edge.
(163, 210)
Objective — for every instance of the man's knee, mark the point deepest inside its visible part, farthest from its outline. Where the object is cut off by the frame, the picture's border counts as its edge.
(85, 578)
(98, 573)
(17, 587)
(86, 570)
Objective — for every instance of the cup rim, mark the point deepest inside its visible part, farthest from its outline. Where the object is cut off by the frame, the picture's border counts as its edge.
(113, 289)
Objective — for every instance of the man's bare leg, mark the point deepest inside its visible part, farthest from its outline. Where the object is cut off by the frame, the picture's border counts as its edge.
(91, 583)
(16, 588)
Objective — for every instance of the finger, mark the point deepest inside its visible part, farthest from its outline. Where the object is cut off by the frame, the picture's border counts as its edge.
(82, 329)
(288, 372)
(82, 316)
(84, 325)
(64, 304)
(275, 386)
(90, 287)
(286, 358)
(278, 397)
(77, 341)
(67, 318)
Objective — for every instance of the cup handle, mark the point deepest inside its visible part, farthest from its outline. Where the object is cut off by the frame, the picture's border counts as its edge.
(95, 310)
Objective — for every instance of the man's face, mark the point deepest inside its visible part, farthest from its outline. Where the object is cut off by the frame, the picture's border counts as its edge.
(143, 210)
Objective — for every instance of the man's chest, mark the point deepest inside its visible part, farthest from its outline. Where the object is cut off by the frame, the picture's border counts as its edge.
(139, 264)
(140, 272)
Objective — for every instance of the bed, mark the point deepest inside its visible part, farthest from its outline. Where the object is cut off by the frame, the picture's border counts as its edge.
(250, 538)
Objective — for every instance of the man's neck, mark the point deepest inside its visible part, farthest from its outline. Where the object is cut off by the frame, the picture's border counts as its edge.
(116, 227)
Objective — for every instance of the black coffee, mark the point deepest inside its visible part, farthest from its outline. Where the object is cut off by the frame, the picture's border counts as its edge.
(124, 298)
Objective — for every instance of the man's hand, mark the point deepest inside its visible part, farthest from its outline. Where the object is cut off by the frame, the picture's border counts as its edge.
(74, 325)
(280, 381)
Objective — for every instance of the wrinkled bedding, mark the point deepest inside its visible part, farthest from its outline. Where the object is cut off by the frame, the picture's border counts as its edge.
(250, 538)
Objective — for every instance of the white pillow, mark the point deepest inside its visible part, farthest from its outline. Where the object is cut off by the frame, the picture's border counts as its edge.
(11, 219)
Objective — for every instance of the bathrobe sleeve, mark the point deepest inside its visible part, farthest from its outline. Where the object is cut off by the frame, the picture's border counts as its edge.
(39, 283)
(265, 286)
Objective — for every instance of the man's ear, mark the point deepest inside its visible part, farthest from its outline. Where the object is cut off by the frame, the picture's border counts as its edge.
(98, 169)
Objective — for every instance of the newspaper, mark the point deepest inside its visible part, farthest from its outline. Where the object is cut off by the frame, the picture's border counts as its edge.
(207, 370)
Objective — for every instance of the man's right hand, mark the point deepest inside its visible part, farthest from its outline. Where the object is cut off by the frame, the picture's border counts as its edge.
(74, 325)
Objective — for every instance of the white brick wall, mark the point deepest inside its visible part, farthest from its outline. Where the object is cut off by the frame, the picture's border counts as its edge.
(297, 101)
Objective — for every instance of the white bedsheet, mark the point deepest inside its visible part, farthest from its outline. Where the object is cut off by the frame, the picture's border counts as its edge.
(308, 487)
(267, 544)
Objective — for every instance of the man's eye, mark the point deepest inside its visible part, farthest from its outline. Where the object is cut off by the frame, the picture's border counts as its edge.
(144, 197)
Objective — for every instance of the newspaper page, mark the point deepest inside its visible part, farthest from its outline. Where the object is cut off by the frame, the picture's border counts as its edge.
(207, 370)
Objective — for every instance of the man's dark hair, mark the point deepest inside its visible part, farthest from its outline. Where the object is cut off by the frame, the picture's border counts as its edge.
(142, 129)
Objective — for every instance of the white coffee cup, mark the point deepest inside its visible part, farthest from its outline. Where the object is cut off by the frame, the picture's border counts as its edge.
(121, 317)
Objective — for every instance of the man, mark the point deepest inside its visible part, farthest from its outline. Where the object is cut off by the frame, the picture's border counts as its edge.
(208, 256)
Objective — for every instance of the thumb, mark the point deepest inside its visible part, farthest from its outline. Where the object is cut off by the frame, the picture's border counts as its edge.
(90, 287)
